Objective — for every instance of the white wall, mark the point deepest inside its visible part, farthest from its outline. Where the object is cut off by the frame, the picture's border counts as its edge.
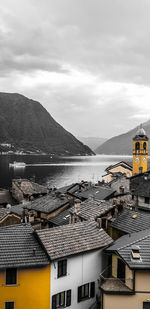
(81, 269)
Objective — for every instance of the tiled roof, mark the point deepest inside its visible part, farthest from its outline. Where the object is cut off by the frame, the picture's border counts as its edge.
(99, 192)
(18, 209)
(29, 188)
(125, 222)
(121, 163)
(140, 185)
(62, 218)
(19, 247)
(123, 246)
(46, 204)
(92, 208)
(3, 212)
(73, 239)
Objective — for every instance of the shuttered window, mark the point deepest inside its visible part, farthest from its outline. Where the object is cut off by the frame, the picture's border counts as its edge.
(68, 298)
(61, 300)
(86, 291)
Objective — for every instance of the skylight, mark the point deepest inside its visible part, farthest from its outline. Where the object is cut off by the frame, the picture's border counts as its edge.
(135, 252)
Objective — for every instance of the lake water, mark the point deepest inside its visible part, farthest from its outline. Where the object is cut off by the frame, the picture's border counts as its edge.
(56, 172)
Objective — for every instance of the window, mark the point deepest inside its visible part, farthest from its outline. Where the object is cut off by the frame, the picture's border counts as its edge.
(121, 270)
(62, 268)
(9, 305)
(86, 291)
(137, 146)
(146, 305)
(61, 300)
(11, 276)
(146, 200)
(144, 146)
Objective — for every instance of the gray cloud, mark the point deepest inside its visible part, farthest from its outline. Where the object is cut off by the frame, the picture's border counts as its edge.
(44, 43)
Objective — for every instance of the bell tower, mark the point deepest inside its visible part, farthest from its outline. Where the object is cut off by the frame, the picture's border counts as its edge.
(140, 152)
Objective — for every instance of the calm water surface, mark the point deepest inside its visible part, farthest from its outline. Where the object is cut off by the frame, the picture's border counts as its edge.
(56, 172)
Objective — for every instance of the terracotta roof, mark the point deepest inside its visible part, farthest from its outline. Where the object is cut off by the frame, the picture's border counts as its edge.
(126, 223)
(123, 246)
(19, 247)
(46, 204)
(73, 239)
(92, 208)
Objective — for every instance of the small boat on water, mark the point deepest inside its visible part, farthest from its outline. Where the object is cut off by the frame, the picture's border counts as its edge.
(17, 164)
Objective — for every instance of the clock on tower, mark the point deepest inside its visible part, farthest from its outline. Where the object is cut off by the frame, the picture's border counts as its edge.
(140, 151)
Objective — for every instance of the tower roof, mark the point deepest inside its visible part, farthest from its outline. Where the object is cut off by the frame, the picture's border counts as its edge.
(141, 132)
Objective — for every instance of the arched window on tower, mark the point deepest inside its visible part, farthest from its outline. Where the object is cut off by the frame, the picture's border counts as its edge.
(144, 146)
(137, 146)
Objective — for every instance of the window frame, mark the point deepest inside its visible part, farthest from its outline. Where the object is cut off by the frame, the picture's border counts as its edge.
(91, 291)
(146, 302)
(62, 268)
(16, 277)
(56, 300)
(146, 200)
(9, 302)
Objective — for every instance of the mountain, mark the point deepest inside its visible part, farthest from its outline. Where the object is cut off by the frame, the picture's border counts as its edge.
(122, 144)
(26, 126)
(92, 142)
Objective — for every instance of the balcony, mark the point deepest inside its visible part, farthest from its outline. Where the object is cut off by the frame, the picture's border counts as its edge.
(113, 285)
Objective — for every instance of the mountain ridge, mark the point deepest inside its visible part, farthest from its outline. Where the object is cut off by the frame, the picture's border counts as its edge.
(122, 144)
(26, 126)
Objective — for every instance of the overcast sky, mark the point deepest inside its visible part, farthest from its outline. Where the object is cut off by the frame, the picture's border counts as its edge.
(86, 61)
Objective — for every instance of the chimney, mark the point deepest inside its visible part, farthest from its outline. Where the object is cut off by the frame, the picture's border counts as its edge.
(99, 223)
(77, 204)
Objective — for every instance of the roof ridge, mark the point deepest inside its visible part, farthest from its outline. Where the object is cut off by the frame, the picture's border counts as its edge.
(135, 241)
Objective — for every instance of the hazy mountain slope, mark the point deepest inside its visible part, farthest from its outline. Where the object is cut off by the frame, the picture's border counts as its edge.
(121, 144)
(92, 142)
(27, 126)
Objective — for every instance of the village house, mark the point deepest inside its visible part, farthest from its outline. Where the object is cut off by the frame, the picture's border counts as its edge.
(24, 190)
(76, 255)
(44, 208)
(140, 190)
(8, 218)
(127, 222)
(125, 282)
(115, 170)
(24, 269)
(98, 210)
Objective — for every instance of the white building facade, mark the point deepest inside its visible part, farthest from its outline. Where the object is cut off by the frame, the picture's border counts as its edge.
(74, 280)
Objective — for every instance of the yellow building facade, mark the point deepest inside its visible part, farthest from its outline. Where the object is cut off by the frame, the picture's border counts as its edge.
(31, 291)
(140, 152)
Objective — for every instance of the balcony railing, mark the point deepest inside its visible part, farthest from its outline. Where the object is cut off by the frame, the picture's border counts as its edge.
(110, 283)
